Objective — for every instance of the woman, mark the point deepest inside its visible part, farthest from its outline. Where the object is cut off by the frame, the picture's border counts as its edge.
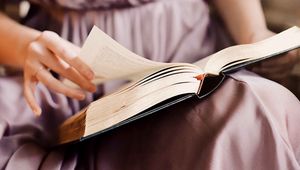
(243, 125)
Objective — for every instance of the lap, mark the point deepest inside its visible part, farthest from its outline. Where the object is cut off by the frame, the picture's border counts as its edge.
(247, 123)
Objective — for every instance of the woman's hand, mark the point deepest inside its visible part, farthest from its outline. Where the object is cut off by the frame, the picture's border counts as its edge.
(276, 68)
(246, 23)
(50, 52)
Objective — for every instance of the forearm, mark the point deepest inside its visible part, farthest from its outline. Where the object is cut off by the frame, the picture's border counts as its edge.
(13, 41)
(244, 19)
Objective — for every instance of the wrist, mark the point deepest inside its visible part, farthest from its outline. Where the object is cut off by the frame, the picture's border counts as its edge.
(259, 35)
(14, 41)
(26, 36)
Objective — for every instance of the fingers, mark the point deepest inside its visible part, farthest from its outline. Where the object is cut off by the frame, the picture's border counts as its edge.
(72, 74)
(272, 69)
(37, 72)
(50, 51)
(46, 78)
(62, 68)
(288, 59)
(59, 47)
(277, 68)
(272, 73)
(29, 86)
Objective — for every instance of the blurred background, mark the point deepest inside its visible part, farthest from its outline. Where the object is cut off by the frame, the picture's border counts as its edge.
(280, 15)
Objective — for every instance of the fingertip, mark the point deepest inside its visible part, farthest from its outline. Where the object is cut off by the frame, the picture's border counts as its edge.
(82, 68)
(81, 99)
(92, 88)
(37, 111)
(80, 96)
(29, 96)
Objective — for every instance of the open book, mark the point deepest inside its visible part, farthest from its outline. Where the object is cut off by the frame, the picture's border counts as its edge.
(155, 85)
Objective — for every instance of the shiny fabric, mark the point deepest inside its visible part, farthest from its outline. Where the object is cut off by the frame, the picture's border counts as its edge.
(247, 123)
(93, 4)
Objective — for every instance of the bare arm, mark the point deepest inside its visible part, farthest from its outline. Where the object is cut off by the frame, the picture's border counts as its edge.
(246, 23)
(13, 41)
(244, 19)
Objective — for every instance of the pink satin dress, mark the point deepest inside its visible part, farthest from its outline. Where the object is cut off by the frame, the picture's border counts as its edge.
(248, 123)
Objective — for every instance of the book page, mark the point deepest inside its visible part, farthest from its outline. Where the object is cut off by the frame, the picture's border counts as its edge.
(235, 55)
(124, 104)
(109, 60)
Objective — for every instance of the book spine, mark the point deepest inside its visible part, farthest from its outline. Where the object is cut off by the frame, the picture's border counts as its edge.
(209, 84)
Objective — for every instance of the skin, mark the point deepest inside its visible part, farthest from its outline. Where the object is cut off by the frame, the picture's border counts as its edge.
(246, 23)
(35, 52)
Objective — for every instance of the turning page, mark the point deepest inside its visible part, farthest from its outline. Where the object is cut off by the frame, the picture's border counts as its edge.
(106, 58)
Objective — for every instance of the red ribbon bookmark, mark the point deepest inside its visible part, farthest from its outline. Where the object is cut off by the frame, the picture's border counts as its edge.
(200, 77)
